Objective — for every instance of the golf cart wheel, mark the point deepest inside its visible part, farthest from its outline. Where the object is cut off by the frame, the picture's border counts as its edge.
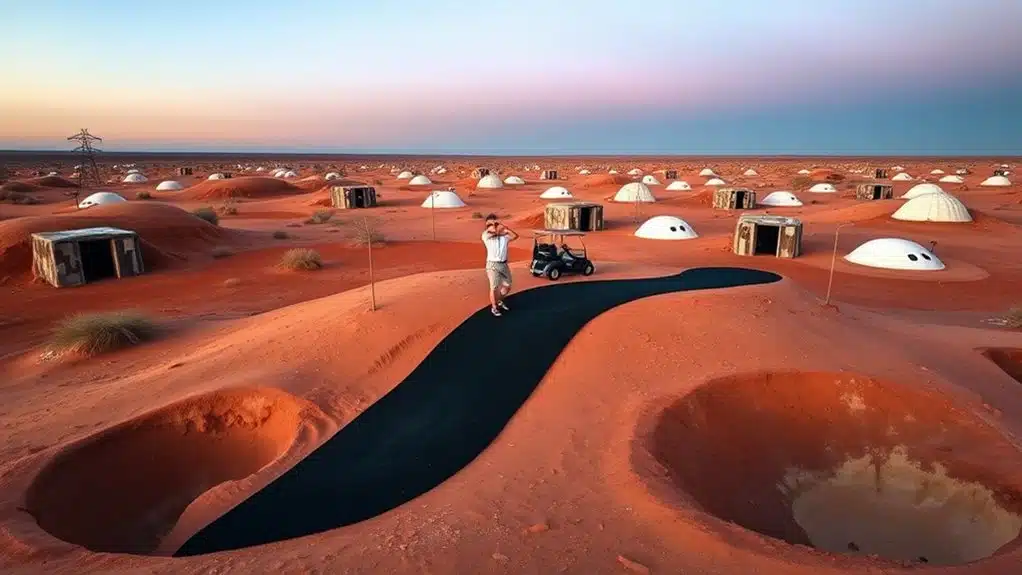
(588, 270)
(535, 274)
(553, 273)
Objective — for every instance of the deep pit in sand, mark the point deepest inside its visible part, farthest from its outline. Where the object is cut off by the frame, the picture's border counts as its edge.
(845, 464)
(122, 490)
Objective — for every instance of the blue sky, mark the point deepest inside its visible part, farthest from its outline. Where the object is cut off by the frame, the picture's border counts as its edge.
(525, 76)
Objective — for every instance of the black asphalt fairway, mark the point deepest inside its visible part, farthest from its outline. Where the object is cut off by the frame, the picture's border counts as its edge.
(442, 416)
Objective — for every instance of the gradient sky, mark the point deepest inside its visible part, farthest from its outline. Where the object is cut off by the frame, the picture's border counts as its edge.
(516, 76)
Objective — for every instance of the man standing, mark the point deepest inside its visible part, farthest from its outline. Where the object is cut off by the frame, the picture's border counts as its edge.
(496, 237)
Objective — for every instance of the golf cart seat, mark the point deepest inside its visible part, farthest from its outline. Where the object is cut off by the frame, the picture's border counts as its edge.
(567, 254)
(546, 251)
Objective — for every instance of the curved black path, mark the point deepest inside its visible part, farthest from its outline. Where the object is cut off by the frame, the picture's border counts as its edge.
(442, 416)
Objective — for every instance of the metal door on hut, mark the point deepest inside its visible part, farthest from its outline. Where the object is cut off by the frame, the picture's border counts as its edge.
(67, 262)
(127, 260)
(787, 243)
(745, 239)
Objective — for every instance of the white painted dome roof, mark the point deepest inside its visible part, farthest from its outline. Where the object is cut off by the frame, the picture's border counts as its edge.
(895, 254)
(513, 181)
(921, 190)
(331, 176)
(169, 186)
(134, 171)
(933, 208)
(804, 172)
(420, 180)
(443, 199)
(101, 199)
(584, 172)
(996, 181)
(490, 182)
(665, 228)
(634, 192)
(781, 199)
(715, 182)
(289, 174)
(936, 172)
(612, 172)
(679, 185)
(823, 188)
(216, 176)
(750, 172)
(405, 175)
(555, 193)
(650, 180)
(635, 172)
(953, 179)
(901, 177)
(135, 178)
(707, 173)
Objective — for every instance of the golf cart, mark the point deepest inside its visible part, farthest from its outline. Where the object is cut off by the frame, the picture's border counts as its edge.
(553, 257)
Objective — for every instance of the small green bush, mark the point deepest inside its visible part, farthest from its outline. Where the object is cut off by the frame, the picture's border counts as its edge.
(208, 214)
(94, 333)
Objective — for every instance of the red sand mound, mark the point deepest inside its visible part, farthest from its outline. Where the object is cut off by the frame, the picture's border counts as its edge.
(122, 490)
(167, 232)
(605, 180)
(827, 174)
(246, 187)
(535, 221)
(52, 182)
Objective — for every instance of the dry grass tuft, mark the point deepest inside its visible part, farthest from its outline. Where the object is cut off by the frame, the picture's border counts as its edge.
(320, 217)
(94, 333)
(301, 259)
(143, 196)
(280, 235)
(1013, 318)
(365, 232)
(207, 214)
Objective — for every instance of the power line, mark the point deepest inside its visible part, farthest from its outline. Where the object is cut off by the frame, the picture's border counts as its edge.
(87, 171)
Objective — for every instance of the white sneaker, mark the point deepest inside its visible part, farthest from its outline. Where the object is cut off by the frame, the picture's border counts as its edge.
(495, 311)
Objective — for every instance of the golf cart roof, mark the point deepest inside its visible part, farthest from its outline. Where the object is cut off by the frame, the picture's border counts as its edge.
(557, 233)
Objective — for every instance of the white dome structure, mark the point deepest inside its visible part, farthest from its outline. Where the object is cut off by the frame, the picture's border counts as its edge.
(612, 172)
(679, 185)
(937, 172)
(216, 176)
(584, 172)
(898, 168)
(405, 175)
(715, 182)
(823, 188)
(420, 180)
(665, 228)
(921, 190)
(953, 179)
(634, 192)
(101, 199)
(53, 174)
(331, 176)
(804, 172)
(514, 181)
(996, 181)
(169, 186)
(443, 199)
(490, 182)
(933, 208)
(134, 171)
(750, 172)
(707, 173)
(895, 254)
(635, 172)
(260, 169)
(651, 181)
(289, 174)
(556, 192)
(135, 178)
(901, 177)
(781, 200)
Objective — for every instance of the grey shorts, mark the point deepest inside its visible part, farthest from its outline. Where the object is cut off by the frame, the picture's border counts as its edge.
(498, 273)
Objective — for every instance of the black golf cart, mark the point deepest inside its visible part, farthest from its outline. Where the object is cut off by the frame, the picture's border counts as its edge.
(553, 257)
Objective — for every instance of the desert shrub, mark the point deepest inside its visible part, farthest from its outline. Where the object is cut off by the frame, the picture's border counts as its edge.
(143, 196)
(301, 259)
(94, 333)
(229, 208)
(802, 182)
(365, 232)
(835, 177)
(17, 198)
(320, 217)
(207, 214)
(1013, 318)
(222, 252)
(280, 235)
(477, 215)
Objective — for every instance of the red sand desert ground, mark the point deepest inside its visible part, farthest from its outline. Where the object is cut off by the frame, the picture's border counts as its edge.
(682, 433)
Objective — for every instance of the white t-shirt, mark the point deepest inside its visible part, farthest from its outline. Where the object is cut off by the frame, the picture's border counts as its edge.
(496, 246)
